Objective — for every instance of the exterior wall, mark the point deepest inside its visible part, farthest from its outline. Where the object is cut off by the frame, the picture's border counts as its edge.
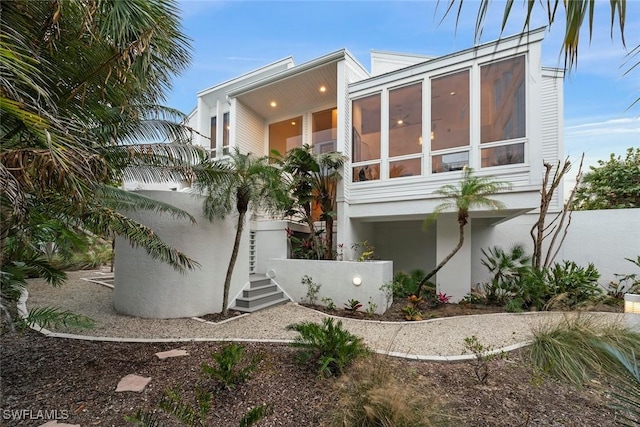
(386, 62)
(272, 242)
(404, 243)
(336, 278)
(552, 125)
(249, 130)
(603, 237)
(145, 287)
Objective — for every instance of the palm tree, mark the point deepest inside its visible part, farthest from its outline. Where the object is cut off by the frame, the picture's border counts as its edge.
(314, 183)
(81, 82)
(248, 182)
(472, 191)
(577, 13)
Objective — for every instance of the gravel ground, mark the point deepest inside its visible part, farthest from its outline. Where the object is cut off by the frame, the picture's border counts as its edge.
(425, 339)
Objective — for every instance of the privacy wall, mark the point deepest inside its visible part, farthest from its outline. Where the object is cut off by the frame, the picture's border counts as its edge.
(145, 287)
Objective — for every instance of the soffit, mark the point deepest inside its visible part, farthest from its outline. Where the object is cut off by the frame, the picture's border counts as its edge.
(294, 94)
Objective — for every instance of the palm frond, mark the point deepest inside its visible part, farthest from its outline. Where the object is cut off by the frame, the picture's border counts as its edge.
(102, 220)
(47, 317)
(121, 200)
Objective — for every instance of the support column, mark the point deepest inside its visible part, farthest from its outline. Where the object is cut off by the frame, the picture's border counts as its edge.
(454, 279)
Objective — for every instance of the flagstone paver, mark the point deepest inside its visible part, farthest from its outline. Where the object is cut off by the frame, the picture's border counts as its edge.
(171, 353)
(133, 383)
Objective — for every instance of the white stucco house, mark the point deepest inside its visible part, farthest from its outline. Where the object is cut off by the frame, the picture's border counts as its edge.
(409, 124)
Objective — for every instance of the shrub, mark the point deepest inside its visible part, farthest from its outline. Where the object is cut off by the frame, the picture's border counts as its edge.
(329, 304)
(573, 349)
(484, 355)
(406, 284)
(312, 289)
(371, 396)
(352, 305)
(230, 370)
(328, 344)
(572, 285)
(411, 312)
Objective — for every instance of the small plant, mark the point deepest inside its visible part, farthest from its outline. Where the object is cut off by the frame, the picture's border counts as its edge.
(366, 251)
(328, 344)
(329, 304)
(228, 370)
(389, 290)
(484, 355)
(411, 312)
(514, 306)
(255, 414)
(352, 305)
(312, 289)
(442, 299)
(371, 308)
(474, 297)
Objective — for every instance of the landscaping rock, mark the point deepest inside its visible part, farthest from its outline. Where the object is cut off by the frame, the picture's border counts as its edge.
(133, 383)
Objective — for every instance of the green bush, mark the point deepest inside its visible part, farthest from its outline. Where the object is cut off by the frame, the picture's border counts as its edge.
(571, 285)
(231, 369)
(328, 344)
(405, 284)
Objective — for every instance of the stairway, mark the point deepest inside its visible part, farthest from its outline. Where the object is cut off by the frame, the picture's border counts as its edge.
(260, 294)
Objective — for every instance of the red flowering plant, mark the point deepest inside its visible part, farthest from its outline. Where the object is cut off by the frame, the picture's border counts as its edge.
(442, 299)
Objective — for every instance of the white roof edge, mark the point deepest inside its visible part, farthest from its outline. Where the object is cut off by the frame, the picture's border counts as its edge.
(306, 66)
(284, 61)
(356, 62)
(533, 36)
(414, 55)
(555, 71)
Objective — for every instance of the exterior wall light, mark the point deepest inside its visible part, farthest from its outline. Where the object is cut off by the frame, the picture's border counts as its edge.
(357, 280)
(632, 311)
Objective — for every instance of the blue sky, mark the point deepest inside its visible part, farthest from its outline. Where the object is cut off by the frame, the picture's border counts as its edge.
(232, 38)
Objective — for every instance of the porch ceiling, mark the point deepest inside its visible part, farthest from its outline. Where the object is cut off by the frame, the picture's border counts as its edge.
(294, 94)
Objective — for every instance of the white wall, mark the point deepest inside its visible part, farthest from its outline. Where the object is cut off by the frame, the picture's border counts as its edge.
(145, 287)
(603, 237)
(336, 278)
(404, 243)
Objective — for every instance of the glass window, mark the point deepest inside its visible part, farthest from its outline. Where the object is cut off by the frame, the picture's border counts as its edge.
(450, 111)
(214, 131)
(324, 130)
(502, 96)
(409, 167)
(503, 155)
(225, 133)
(366, 129)
(366, 173)
(285, 135)
(405, 120)
(449, 162)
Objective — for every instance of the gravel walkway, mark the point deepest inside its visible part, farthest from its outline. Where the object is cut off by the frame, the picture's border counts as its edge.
(437, 339)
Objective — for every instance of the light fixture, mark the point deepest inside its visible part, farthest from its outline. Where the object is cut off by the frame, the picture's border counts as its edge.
(323, 89)
(452, 93)
(433, 135)
(400, 121)
(293, 123)
(632, 311)
(420, 140)
(273, 103)
(357, 280)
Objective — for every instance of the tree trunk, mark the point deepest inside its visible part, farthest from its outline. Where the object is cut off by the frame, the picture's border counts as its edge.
(232, 262)
(444, 261)
(328, 250)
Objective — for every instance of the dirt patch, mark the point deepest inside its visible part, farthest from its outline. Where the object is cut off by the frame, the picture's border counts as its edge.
(77, 379)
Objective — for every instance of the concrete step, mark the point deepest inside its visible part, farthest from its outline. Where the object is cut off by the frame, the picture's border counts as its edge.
(255, 291)
(261, 306)
(258, 280)
(259, 299)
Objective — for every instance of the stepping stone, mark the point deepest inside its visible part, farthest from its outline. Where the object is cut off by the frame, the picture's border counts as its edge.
(55, 423)
(171, 353)
(133, 383)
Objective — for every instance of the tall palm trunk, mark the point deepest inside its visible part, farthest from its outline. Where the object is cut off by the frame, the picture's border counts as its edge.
(446, 260)
(232, 261)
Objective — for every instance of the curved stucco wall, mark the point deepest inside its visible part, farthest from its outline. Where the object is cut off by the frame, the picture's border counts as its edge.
(145, 287)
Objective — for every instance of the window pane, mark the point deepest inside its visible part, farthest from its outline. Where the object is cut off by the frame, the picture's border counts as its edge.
(503, 155)
(214, 131)
(503, 100)
(405, 120)
(285, 135)
(410, 167)
(449, 162)
(366, 173)
(225, 130)
(366, 129)
(450, 111)
(324, 130)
